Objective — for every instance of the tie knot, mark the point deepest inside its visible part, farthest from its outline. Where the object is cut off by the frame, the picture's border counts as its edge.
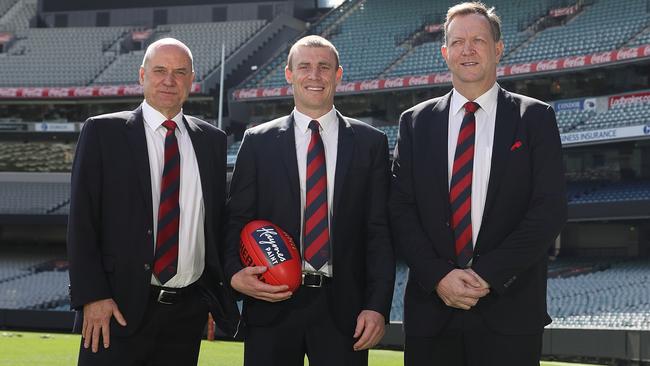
(314, 125)
(169, 125)
(471, 107)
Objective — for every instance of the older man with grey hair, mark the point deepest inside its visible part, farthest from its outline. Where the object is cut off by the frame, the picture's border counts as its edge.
(148, 191)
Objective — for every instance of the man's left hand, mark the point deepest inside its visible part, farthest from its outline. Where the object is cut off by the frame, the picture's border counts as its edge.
(369, 330)
(483, 283)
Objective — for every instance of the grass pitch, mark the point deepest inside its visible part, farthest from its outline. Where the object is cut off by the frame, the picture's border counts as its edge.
(44, 349)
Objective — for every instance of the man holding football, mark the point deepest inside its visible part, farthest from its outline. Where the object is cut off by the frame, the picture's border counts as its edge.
(323, 178)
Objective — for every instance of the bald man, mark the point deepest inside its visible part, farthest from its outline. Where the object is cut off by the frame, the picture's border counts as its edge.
(148, 192)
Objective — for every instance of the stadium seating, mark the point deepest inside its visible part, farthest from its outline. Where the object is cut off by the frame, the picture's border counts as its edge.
(600, 192)
(391, 133)
(33, 277)
(568, 121)
(618, 116)
(597, 28)
(36, 157)
(204, 39)
(16, 15)
(31, 198)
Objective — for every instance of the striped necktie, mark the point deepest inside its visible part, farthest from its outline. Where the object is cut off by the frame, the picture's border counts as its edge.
(166, 255)
(316, 228)
(460, 192)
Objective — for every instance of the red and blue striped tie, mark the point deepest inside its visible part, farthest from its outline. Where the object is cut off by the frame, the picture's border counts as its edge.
(166, 255)
(316, 228)
(460, 193)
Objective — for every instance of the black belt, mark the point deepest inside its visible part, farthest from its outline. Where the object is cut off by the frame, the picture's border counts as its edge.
(311, 279)
(170, 295)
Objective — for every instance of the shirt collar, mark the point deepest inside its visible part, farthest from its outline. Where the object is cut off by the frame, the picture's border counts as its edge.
(326, 121)
(487, 101)
(154, 119)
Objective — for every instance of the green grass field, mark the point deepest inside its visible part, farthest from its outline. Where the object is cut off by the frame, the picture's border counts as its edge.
(43, 349)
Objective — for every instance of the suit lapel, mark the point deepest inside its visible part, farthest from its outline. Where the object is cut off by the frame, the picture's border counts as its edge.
(345, 146)
(287, 143)
(138, 143)
(504, 133)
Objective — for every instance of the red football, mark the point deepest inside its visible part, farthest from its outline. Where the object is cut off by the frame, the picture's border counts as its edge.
(265, 244)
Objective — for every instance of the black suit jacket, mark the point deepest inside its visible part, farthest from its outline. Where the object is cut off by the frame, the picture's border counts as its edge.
(525, 210)
(110, 225)
(265, 185)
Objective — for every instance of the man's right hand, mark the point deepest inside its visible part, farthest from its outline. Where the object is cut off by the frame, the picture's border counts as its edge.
(97, 317)
(248, 283)
(460, 289)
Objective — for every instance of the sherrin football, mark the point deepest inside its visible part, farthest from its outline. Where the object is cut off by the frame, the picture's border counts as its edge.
(265, 244)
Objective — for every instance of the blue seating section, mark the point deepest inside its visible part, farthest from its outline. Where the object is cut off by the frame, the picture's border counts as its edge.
(609, 192)
(28, 198)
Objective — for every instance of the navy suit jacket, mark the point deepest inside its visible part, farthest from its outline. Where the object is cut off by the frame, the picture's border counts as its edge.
(110, 225)
(525, 210)
(265, 186)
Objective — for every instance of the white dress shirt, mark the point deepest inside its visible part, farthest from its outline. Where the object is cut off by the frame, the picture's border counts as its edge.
(329, 133)
(191, 237)
(483, 142)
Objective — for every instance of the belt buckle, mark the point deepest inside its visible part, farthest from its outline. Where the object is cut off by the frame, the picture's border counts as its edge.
(311, 274)
(163, 293)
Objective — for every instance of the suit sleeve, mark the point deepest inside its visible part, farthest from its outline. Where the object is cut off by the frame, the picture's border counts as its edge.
(380, 261)
(88, 280)
(241, 205)
(411, 242)
(546, 214)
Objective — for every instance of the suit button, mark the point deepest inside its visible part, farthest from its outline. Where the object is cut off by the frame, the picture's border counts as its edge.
(149, 232)
(447, 224)
(147, 267)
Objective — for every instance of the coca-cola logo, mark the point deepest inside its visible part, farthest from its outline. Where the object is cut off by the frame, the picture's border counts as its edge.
(627, 54)
(369, 85)
(394, 83)
(347, 87)
(248, 93)
(58, 92)
(547, 65)
(83, 92)
(501, 70)
(272, 92)
(575, 61)
(132, 90)
(600, 58)
(8, 92)
(418, 80)
(108, 90)
(441, 78)
(196, 88)
(290, 90)
(33, 92)
(520, 69)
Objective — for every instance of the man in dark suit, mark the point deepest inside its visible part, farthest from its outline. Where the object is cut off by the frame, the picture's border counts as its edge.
(148, 193)
(477, 198)
(324, 179)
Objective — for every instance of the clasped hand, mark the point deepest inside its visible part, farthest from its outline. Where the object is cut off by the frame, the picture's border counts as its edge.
(462, 289)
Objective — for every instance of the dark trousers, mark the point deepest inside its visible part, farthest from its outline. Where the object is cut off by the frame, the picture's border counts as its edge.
(168, 335)
(467, 341)
(306, 329)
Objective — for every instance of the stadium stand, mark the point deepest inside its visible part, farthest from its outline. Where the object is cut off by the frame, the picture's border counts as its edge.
(568, 121)
(204, 39)
(36, 157)
(34, 198)
(17, 14)
(609, 192)
(618, 116)
(58, 56)
(33, 277)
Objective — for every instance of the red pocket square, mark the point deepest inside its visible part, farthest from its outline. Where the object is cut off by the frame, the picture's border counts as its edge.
(515, 146)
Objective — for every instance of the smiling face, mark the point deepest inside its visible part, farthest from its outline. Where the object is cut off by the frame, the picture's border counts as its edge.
(166, 78)
(314, 75)
(472, 54)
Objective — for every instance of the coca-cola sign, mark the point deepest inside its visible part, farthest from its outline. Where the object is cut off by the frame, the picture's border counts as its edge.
(627, 53)
(58, 92)
(108, 90)
(394, 83)
(272, 92)
(601, 58)
(520, 69)
(347, 87)
(575, 61)
(8, 92)
(248, 93)
(418, 80)
(33, 92)
(369, 85)
(441, 78)
(645, 51)
(547, 65)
